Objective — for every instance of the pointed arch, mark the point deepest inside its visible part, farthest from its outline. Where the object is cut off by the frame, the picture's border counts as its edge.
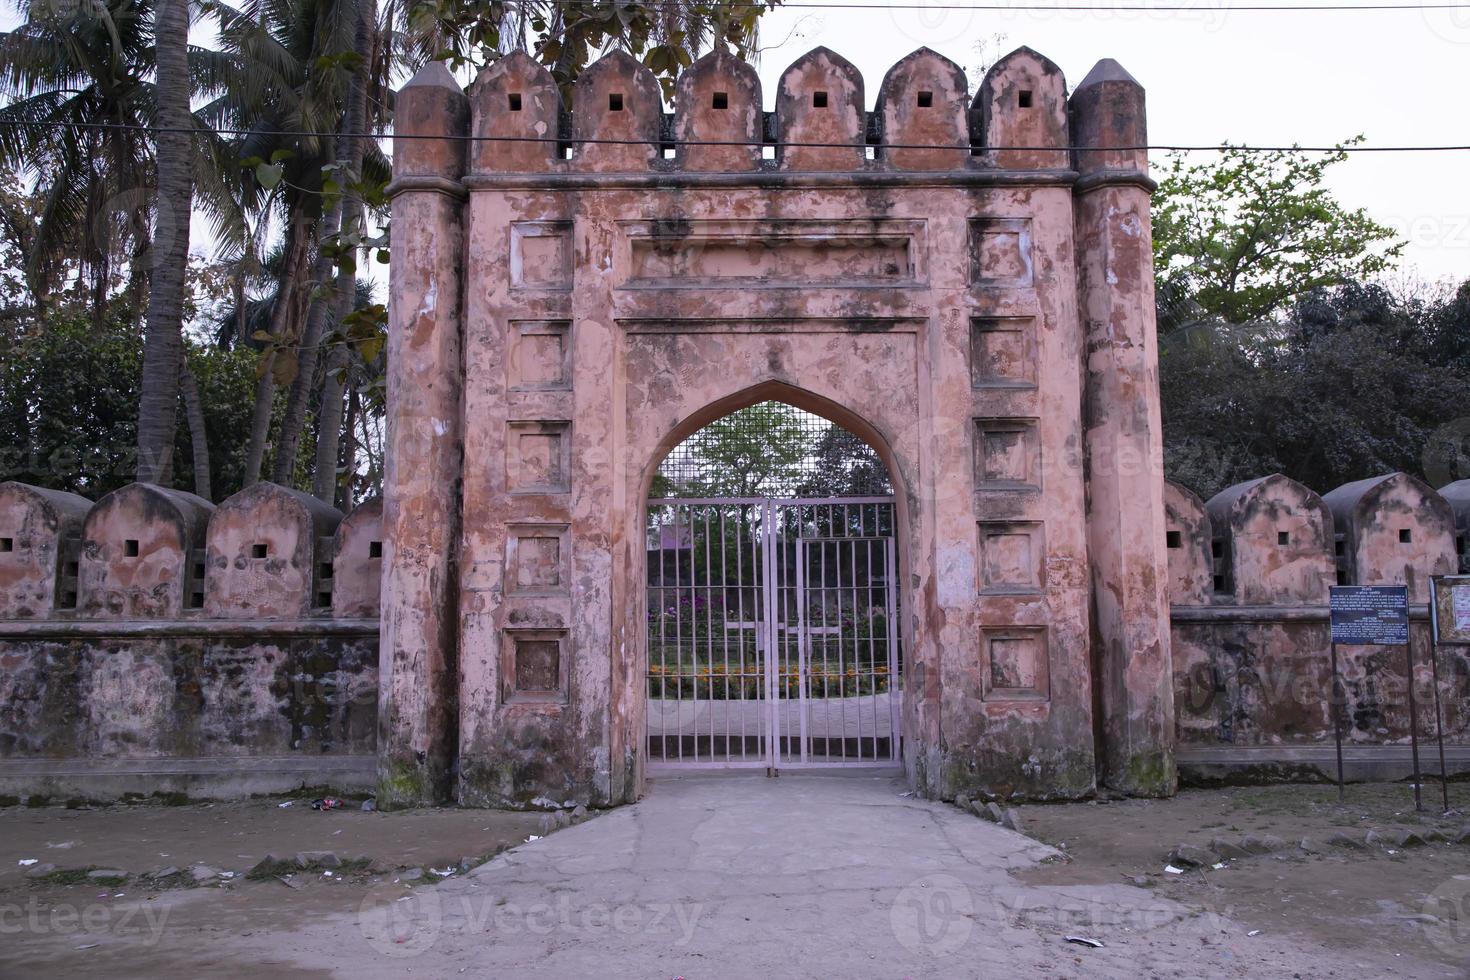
(788, 394)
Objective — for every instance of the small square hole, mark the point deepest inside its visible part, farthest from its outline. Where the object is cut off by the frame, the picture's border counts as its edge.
(130, 548)
(819, 100)
(1406, 536)
(1283, 537)
(721, 100)
(324, 599)
(71, 570)
(7, 544)
(198, 570)
(1173, 539)
(324, 569)
(1342, 576)
(1024, 101)
(926, 100)
(515, 101)
(196, 600)
(375, 549)
(1460, 545)
(1217, 549)
(1339, 548)
(259, 550)
(68, 600)
(615, 102)
(1219, 583)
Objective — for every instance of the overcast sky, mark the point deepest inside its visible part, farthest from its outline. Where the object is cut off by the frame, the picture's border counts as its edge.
(1310, 77)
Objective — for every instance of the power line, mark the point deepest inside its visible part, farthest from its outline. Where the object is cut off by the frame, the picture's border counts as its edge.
(468, 138)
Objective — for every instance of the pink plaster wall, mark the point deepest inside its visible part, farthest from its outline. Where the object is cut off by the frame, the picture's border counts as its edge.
(1277, 540)
(137, 553)
(1393, 530)
(357, 562)
(35, 526)
(1188, 541)
(263, 554)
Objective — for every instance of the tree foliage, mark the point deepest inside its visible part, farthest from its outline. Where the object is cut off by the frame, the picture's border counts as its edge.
(755, 452)
(1354, 381)
(75, 83)
(1279, 349)
(69, 396)
(1242, 235)
(567, 35)
(772, 449)
(843, 465)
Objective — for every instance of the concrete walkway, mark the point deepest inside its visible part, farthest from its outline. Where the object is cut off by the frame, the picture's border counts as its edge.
(808, 875)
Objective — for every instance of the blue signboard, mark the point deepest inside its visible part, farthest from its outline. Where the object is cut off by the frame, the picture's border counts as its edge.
(1370, 614)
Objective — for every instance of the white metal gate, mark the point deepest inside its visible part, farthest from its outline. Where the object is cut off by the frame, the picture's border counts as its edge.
(773, 636)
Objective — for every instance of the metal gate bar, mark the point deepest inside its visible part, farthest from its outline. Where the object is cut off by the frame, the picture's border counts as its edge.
(772, 633)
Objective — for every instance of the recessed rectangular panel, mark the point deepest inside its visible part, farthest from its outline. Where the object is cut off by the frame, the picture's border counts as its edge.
(1002, 352)
(540, 356)
(1014, 666)
(534, 666)
(1007, 454)
(539, 457)
(730, 252)
(1012, 558)
(541, 254)
(1000, 252)
(536, 559)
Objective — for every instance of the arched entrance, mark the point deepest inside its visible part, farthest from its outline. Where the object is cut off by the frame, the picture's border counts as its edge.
(773, 595)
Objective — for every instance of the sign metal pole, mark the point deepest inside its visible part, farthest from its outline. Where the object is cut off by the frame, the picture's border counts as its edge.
(1444, 773)
(1339, 695)
(1414, 729)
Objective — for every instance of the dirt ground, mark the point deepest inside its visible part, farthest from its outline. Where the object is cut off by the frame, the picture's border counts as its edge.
(1345, 899)
(234, 836)
(59, 927)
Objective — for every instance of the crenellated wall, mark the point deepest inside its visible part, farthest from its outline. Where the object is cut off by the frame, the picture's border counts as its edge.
(154, 643)
(112, 689)
(1249, 575)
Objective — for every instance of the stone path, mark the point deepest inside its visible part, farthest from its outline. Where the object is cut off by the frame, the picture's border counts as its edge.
(809, 875)
(814, 874)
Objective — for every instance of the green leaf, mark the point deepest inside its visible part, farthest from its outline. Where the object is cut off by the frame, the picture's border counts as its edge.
(269, 174)
(370, 349)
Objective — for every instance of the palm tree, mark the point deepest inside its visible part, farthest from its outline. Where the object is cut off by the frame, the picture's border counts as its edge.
(80, 89)
(359, 159)
(302, 54)
(163, 341)
(74, 79)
